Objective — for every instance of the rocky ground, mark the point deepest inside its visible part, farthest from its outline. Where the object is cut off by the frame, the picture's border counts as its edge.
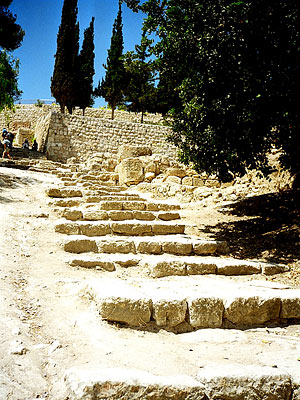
(47, 328)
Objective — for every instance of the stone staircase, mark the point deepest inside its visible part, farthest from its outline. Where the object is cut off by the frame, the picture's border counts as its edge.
(154, 276)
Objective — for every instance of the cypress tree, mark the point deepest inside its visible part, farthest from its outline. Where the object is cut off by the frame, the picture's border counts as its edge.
(112, 86)
(86, 69)
(63, 81)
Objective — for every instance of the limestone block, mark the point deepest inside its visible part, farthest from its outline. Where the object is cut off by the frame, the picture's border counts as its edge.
(149, 247)
(245, 382)
(92, 199)
(131, 171)
(168, 216)
(173, 179)
(94, 229)
(272, 269)
(237, 267)
(187, 180)
(62, 192)
(197, 181)
(133, 205)
(150, 166)
(169, 313)
(200, 268)
(120, 215)
(252, 310)
(125, 384)
(131, 229)
(166, 268)
(95, 215)
(80, 246)
(162, 207)
(116, 246)
(67, 228)
(130, 151)
(179, 248)
(143, 215)
(72, 215)
(161, 229)
(97, 264)
(205, 312)
(209, 247)
(67, 202)
(110, 205)
(179, 172)
(290, 305)
(127, 310)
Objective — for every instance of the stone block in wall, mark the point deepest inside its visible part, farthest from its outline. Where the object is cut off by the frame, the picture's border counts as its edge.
(179, 172)
(131, 171)
(187, 180)
(130, 151)
(197, 181)
(173, 179)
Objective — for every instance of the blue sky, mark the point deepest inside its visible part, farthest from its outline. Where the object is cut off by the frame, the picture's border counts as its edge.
(40, 19)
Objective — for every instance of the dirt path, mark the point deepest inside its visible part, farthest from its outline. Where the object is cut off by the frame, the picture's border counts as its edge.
(46, 328)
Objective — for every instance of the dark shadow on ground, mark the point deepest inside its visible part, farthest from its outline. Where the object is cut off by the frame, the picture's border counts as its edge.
(272, 230)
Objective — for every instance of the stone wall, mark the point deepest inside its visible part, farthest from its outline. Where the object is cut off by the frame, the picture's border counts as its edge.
(63, 136)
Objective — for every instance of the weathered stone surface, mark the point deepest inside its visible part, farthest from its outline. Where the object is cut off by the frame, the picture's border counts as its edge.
(158, 269)
(173, 179)
(149, 247)
(167, 229)
(72, 215)
(209, 247)
(168, 216)
(143, 215)
(237, 267)
(80, 246)
(252, 310)
(127, 384)
(200, 268)
(290, 305)
(162, 207)
(272, 269)
(63, 192)
(133, 205)
(110, 205)
(116, 246)
(131, 171)
(130, 229)
(187, 180)
(67, 202)
(245, 382)
(205, 312)
(95, 215)
(130, 151)
(130, 310)
(67, 228)
(179, 172)
(168, 312)
(94, 229)
(180, 248)
(97, 264)
(197, 181)
(120, 215)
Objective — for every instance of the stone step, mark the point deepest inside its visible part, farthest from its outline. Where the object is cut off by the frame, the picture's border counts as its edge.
(183, 305)
(91, 214)
(137, 205)
(155, 245)
(62, 192)
(118, 383)
(132, 228)
(172, 265)
(97, 198)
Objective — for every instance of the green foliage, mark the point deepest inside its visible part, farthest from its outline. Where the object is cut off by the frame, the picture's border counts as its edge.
(11, 34)
(229, 72)
(9, 71)
(63, 81)
(39, 103)
(140, 92)
(86, 69)
(111, 87)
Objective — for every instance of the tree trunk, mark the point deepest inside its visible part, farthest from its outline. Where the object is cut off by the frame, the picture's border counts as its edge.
(113, 113)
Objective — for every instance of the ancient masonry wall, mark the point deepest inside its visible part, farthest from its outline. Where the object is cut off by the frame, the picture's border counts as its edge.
(63, 136)
(80, 137)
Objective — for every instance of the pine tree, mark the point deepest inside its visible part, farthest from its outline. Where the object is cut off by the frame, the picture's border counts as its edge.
(63, 81)
(86, 69)
(112, 86)
(11, 36)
